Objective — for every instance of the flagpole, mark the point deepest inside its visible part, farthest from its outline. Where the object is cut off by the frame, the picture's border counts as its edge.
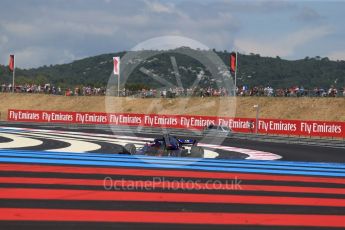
(236, 74)
(118, 84)
(13, 73)
(118, 79)
(116, 70)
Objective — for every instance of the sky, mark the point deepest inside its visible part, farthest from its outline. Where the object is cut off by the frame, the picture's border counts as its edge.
(44, 32)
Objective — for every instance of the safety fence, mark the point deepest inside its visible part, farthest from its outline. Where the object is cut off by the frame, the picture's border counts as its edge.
(189, 122)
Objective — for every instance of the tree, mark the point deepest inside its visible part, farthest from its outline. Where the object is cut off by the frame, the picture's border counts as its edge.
(41, 79)
(22, 80)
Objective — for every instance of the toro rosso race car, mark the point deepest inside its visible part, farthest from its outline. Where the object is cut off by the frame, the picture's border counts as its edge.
(167, 146)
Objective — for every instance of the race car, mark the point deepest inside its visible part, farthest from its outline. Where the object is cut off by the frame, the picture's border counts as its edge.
(168, 145)
(216, 130)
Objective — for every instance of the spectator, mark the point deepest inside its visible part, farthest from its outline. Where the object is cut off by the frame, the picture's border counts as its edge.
(243, 90)
(332, 92)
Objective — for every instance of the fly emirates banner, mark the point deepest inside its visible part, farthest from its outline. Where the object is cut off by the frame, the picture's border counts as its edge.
(246, 125)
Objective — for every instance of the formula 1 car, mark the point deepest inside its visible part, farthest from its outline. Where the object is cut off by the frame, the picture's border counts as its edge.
(168, 145)
(216, 130)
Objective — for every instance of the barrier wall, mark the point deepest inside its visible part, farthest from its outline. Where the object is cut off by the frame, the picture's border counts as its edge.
(265, 126)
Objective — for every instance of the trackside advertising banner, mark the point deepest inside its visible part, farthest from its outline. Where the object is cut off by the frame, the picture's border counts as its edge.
(267, 126)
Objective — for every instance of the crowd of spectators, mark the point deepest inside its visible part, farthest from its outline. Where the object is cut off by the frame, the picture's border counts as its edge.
(54, 90)
(31, 88)
(85, 91)
(176, 92)
(295, 91)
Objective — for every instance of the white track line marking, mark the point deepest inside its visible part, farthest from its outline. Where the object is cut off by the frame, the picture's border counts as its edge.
(139, 141)
(75, 145)
(94, 138)
(207, 153)
(253, 154)
(85, 138)
(79, 133)
(18, 141)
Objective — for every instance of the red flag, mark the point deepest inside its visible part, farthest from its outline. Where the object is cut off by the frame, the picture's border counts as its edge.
(116, 61)
(11, 63)
(233, 62)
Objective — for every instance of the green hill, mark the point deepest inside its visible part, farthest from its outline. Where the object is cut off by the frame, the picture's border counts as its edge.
(253, 70)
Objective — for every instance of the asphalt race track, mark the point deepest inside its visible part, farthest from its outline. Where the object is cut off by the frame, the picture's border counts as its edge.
(68, 179)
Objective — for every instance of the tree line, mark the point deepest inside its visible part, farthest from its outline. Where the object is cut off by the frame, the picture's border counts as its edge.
(253, 70)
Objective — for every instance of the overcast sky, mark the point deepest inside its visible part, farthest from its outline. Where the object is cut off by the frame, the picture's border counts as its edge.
(43, 32)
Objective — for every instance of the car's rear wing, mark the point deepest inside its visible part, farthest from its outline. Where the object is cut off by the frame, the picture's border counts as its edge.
(187, 141)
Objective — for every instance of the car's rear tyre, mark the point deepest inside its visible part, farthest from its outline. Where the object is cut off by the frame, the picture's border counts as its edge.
(184, 153)
(130, 148)
(197, 151)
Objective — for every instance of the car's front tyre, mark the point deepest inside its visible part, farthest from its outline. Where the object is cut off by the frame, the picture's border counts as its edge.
(197, 151)
(130, 148)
